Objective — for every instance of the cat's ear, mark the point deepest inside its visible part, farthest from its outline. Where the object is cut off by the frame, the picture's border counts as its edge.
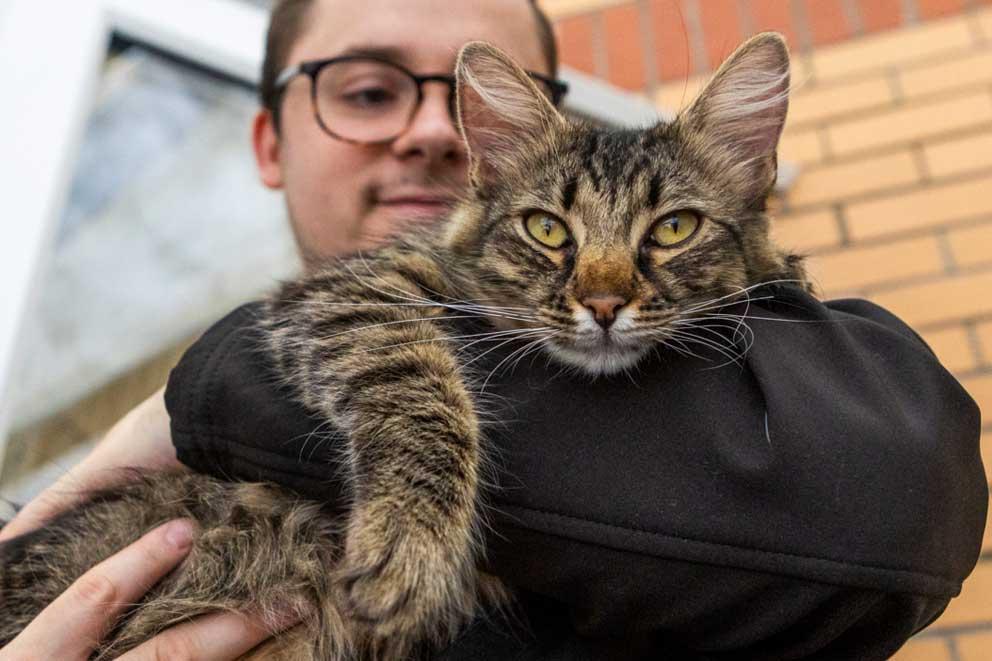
(501, 111)
(736, 121)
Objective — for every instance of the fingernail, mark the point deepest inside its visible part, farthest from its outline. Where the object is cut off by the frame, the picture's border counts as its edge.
(180, 534)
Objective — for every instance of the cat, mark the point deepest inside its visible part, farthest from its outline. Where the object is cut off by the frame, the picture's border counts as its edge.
(589, 243)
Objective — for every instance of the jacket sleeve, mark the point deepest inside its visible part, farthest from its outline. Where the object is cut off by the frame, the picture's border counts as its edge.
(813, 489)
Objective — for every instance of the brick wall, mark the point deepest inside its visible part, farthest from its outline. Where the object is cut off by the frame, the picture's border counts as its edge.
(891, 123)
(642, 44)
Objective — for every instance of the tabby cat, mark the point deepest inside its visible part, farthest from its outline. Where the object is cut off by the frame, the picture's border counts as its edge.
(592, 244)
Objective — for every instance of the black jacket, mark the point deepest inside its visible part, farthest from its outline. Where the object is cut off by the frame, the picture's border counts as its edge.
(823, 499)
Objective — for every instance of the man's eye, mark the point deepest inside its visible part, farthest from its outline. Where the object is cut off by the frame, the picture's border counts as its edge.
(370, 97)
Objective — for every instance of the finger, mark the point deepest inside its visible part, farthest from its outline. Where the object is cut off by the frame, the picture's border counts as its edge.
(84, 612)
(56, 498)
(141, 438)
(216, 637)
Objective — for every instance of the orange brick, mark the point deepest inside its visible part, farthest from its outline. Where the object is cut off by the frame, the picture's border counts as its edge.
(773, 15)
(807, 231)
(944, 300)
(980, 388)
(916, 122)
(823, 102)
(985, 23)
(836, 182)
(678, 94)
(920, 208)
(970, 70)
(884, 50)
(880, 14)
(575, 43)
(974, 646)
(827, 21)
(984, 331)
(952, 348)
(864, 267)
(961, 155)
(624, 48)
(936, 8)
(671, 37)
(923, 649)
(974, 604)
(721, 29)
(972, 245)
(802, 147)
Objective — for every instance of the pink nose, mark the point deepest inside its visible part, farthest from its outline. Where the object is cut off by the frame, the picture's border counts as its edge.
(604, 308)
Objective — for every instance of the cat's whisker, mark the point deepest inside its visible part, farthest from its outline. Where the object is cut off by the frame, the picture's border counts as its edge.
(448, 338)
(740, 330)
(681, 348)
(744, 290)
(453, 301)
(481, 314)
(712, 344)
(534, 348)
(368, 327)
(404, 295)
(716, 331)
(708, 344)
(538, 341)
(785, 321)
(517, 337)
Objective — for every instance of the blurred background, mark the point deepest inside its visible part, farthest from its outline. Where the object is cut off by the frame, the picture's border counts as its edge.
(888, 187)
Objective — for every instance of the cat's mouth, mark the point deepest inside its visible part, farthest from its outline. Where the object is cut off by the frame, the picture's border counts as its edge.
(606, 355)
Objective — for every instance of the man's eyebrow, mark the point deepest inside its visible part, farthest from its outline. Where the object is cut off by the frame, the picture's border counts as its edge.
(391, 53)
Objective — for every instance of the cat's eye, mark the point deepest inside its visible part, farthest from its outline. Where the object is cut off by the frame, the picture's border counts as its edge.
(675, 228)
(546, 229)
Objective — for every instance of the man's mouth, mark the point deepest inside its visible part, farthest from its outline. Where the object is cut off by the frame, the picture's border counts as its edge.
(433, 204)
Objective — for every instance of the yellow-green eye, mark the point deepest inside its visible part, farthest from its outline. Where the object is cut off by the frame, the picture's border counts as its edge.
(546, 229)
(676, 228)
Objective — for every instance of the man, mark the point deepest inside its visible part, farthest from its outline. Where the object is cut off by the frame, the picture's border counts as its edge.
(340, 197)
(343, 196)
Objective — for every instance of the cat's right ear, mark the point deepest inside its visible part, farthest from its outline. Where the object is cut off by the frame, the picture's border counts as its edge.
(501, 111)
(736, 121)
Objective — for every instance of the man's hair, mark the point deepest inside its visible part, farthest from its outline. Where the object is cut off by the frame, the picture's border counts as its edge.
(286, 24)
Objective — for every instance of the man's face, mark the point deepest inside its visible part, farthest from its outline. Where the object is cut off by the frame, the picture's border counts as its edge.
(342, 196)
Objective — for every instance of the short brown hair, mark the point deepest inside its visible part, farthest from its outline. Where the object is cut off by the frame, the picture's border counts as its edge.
(286, 25)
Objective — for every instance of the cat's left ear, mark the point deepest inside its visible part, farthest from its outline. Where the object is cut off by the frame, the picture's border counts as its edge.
(501, 111)
(736, 121)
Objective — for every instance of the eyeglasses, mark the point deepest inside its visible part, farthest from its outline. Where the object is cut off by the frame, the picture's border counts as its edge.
(367, 100)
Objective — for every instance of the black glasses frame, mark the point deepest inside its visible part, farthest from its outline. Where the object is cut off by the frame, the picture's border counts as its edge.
(312, 69)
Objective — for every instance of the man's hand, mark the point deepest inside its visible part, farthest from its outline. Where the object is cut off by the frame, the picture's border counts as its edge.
(72, 626)
(141, 439)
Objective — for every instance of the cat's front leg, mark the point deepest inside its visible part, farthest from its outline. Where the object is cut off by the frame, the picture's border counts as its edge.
(363, 344)
(409, 565)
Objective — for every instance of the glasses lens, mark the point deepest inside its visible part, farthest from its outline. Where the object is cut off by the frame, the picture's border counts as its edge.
(365, 100)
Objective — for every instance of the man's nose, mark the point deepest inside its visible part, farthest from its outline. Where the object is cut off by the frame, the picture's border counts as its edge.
(431, 134)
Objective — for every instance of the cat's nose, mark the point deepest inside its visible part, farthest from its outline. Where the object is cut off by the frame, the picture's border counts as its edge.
(604, 308)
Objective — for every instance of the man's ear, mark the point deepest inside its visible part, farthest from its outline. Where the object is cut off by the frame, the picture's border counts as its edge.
(501, 111)
(265, 142)
(736, 121)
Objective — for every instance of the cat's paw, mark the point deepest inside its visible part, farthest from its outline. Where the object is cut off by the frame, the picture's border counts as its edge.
(401, 580)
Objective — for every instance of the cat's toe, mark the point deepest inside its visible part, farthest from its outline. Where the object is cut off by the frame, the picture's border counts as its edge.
(407, 587)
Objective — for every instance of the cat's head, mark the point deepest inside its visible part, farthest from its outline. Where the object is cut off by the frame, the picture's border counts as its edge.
(610, 238)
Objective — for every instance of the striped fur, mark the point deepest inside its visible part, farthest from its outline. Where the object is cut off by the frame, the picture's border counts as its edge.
(368, 342)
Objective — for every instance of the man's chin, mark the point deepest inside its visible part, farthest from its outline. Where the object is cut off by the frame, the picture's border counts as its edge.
(387, 221)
